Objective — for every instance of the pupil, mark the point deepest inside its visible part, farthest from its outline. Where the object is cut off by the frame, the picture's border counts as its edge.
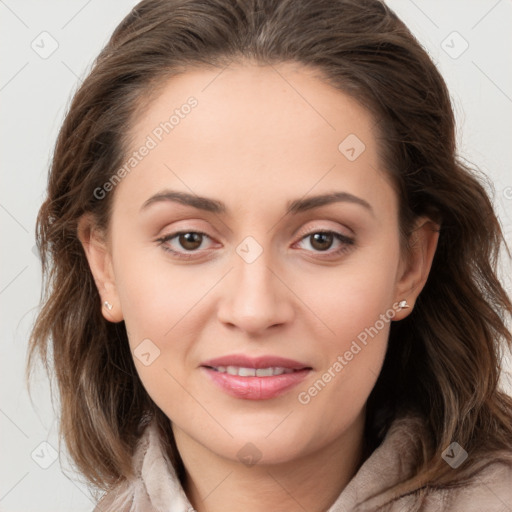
(322, 237)
(190, 240)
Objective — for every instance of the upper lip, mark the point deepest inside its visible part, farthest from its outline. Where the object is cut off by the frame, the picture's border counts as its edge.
(244, 361)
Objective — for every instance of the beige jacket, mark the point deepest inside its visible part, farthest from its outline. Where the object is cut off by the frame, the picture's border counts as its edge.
(157, 488)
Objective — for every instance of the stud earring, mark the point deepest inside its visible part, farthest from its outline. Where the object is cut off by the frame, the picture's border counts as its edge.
(403, 304)
(108, 305)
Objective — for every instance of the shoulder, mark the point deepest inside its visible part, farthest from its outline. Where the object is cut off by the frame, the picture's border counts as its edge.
(118, 499)
(490, 490)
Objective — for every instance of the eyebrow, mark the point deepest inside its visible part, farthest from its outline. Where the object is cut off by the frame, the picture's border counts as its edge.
(218, 207)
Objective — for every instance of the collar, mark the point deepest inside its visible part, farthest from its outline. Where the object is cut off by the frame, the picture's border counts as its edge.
(157, 488)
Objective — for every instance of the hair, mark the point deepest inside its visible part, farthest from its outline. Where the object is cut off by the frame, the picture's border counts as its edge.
(443, 360)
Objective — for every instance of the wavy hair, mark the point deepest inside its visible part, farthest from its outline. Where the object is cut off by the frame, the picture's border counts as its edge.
(443, 360)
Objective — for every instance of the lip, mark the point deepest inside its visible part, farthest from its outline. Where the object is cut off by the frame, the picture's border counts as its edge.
(255, 362)
(256, 388)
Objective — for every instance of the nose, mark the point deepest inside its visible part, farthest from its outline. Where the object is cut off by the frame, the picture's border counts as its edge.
(256, 297)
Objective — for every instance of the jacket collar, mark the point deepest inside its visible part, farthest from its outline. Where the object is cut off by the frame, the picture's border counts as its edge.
(157, 487)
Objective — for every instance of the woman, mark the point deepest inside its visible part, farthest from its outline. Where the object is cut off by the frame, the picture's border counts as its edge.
(269, 278)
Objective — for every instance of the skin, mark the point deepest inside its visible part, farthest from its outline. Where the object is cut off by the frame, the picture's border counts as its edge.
(255, 142)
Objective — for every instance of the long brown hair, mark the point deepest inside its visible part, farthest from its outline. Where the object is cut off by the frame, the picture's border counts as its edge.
(443, 360)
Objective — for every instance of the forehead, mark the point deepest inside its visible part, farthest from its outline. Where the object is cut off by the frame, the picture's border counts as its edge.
(261, 131)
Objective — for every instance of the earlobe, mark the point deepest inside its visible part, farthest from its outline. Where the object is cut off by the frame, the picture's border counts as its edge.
(100, 263)
(417, 264)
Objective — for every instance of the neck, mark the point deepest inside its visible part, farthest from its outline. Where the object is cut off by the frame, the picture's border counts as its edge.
(312, 482)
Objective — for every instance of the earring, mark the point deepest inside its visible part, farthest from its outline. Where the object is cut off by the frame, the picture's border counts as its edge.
(403, 304)
(108, 305)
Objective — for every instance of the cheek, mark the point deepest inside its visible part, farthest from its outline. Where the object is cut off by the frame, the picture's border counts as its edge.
(163, 310)
(156, 308)
(352, 297)
(358, 314)
(356, 305)
(154, 296)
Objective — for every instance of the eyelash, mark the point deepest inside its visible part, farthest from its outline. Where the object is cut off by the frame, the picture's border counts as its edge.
(346, 242)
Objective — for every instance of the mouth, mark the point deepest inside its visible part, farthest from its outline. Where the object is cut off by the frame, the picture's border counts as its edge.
(259, 378)
(252, 372)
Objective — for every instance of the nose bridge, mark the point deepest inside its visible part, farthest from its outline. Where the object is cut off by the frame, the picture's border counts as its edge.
(252, 267)
(256, 298)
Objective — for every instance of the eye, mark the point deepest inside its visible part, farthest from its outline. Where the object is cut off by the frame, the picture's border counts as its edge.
(189, 241)
(322, 241)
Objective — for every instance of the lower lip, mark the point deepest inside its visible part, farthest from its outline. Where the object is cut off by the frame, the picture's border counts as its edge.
(256, 388)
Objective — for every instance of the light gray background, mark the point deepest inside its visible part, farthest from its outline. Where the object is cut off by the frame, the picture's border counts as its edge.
(35, 92)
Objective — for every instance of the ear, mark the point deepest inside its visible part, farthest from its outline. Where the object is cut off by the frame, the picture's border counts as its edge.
(99, 257)
(416, 263)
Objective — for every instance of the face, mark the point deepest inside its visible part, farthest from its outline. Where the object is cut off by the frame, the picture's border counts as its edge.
(258, 314)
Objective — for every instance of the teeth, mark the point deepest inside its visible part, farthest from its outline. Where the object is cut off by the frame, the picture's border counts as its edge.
(252, 372)
(247, 372)
(266, 372)
(232, 370)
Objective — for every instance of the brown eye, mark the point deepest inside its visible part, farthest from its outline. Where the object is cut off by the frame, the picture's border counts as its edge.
(321, 241)
(190, 240)
(331, 243)
(184, 244)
